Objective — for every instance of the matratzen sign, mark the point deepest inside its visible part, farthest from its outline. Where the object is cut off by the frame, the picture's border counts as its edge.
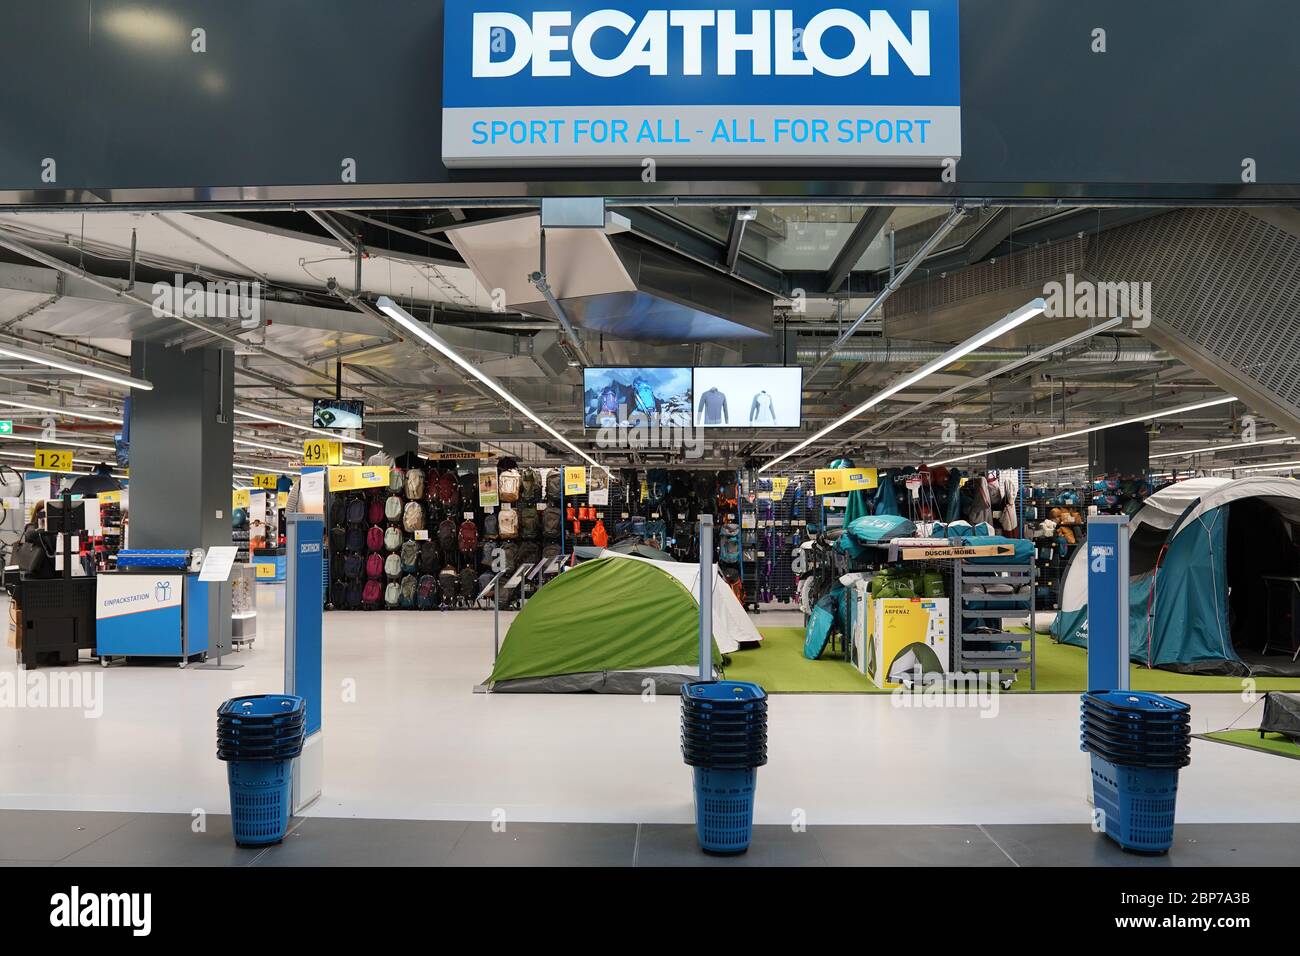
(807, 82)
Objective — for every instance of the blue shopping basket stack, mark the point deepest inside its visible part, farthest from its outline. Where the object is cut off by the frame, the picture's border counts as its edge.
(724, 740)
(1138, 743)
(258, 737)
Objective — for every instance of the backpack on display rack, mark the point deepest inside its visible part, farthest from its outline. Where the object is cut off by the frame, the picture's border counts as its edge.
(375, 538)
(407, 599)
(426, 592)
(393, 566)
(550, 551)
(356, 538)
(375, 510)
(448, 493)
(447, 536)
(413, 484)
(485, 553)
(490, 524)
(447, 584)
(393, 508)
(413, 516)
(511, 553)
(352, 596)
(529, 553)
(706, 486)
(529, 524)
(729, 544)
(529, 486)
(338, 595)
(353, 567)
(508, 523)
(410, 555)
(392, 539)
(356, 511)
(508, 485)
(338, 538)
(431, 478)
(374, 565)
(396, 479)
(467, 538)
(483, 581)
(371, 594)
(429, 558)
(392, 594)
(468, 490)
(338, 566)
(551, 521)
(338, 510)
(468, 578)
(554, 483)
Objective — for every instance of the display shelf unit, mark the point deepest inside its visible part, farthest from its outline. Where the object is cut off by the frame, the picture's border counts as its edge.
(999, 650)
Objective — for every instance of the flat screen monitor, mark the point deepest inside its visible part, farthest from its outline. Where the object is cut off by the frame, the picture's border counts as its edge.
(337, 413)
(625, 396)
(770, 397)
(76, 516)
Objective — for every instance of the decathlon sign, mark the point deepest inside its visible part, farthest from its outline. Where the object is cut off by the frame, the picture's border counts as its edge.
(579, 83)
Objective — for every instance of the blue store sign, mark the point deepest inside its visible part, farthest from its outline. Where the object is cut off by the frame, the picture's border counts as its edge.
(807, 83)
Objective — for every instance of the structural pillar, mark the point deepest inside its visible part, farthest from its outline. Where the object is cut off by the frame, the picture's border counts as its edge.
(181, 452)
(1122, 450)
(396, 436)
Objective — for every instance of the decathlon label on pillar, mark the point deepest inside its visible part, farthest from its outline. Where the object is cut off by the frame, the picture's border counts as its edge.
(587, 82)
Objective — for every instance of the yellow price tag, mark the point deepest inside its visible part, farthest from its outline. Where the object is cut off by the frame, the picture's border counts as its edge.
(265, 481)
(829, 481)
(50, 459)
(322, 451)
(264, 570)
(779, 485)
(108, 497)
(239, 499)
(826, 481)
(575, 480)
(282, 500)
(350, 477)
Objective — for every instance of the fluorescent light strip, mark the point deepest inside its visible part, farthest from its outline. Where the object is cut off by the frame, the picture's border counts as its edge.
(1043, 471)
(1000, 327)
(265, 469)
(286, 449)
(54, 442)
(40, 358)
(1275, 466)
(1218, 448)
(408, 322)
(67, 412)
(21, 456)
(307, 428)
(1087, 431)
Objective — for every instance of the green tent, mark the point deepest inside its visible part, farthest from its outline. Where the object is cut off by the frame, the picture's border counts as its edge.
(605, 625)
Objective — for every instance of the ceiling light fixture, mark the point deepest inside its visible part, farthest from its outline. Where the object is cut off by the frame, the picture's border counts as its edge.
(68, 412)
(307, 428)
(1275, 466)
(1218, 448)
(55, 442)
(284, 449)
(1005, 324)
(408, 322)
(1087, 431)
(40, 358)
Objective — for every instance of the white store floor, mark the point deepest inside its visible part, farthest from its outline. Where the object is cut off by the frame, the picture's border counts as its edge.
(406, 737)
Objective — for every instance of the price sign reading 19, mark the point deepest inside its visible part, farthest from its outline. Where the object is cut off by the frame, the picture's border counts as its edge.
(322, 451)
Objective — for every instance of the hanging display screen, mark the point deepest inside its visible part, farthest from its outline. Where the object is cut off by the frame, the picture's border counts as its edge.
(337, 413)
(622, 396)
(770, 397)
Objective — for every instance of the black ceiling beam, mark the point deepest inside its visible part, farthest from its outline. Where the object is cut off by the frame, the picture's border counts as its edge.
(864, 233)
(690, 242)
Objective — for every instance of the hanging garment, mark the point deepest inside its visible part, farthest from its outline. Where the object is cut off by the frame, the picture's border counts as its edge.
(1009, 486)
(712, 409)
(761, 411)
(978, 509)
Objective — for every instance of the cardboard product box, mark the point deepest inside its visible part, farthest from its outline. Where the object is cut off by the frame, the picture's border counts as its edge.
(901, 631)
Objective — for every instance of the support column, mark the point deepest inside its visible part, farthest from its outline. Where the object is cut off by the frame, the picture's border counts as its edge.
(181, 450)
(396, 436)
(1123, 450)
(1014, 458)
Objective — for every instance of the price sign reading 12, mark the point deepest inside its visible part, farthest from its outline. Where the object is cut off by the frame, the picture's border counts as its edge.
(322, 451)
(50, 459)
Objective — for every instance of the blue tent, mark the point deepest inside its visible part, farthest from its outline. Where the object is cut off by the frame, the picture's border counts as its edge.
(1197, 560)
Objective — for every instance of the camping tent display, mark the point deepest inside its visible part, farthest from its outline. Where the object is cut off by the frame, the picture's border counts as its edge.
(633, 546)
(732, 627)
(605, 625)
(1196, 589)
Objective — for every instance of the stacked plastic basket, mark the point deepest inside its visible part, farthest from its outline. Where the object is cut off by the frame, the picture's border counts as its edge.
(724, 740)
(259, 737)
(1138, 743)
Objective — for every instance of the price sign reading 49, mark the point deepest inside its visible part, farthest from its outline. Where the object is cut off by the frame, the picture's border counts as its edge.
(51, 459)
(322, 451)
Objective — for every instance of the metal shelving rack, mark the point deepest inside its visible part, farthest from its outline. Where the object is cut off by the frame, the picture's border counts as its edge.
(976, 651)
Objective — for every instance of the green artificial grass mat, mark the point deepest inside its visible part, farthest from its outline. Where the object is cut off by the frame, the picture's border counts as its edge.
(1251, 740)
(778, 665)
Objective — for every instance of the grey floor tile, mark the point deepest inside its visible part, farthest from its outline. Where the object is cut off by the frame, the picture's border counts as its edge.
(4, 863)
(907, 846)
(166, 839)
(545, 844)
(338, 841)
(1195, 844)
(670, 844)
(51, 835)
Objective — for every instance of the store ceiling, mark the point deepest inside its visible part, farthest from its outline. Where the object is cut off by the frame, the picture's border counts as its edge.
(819, 266)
